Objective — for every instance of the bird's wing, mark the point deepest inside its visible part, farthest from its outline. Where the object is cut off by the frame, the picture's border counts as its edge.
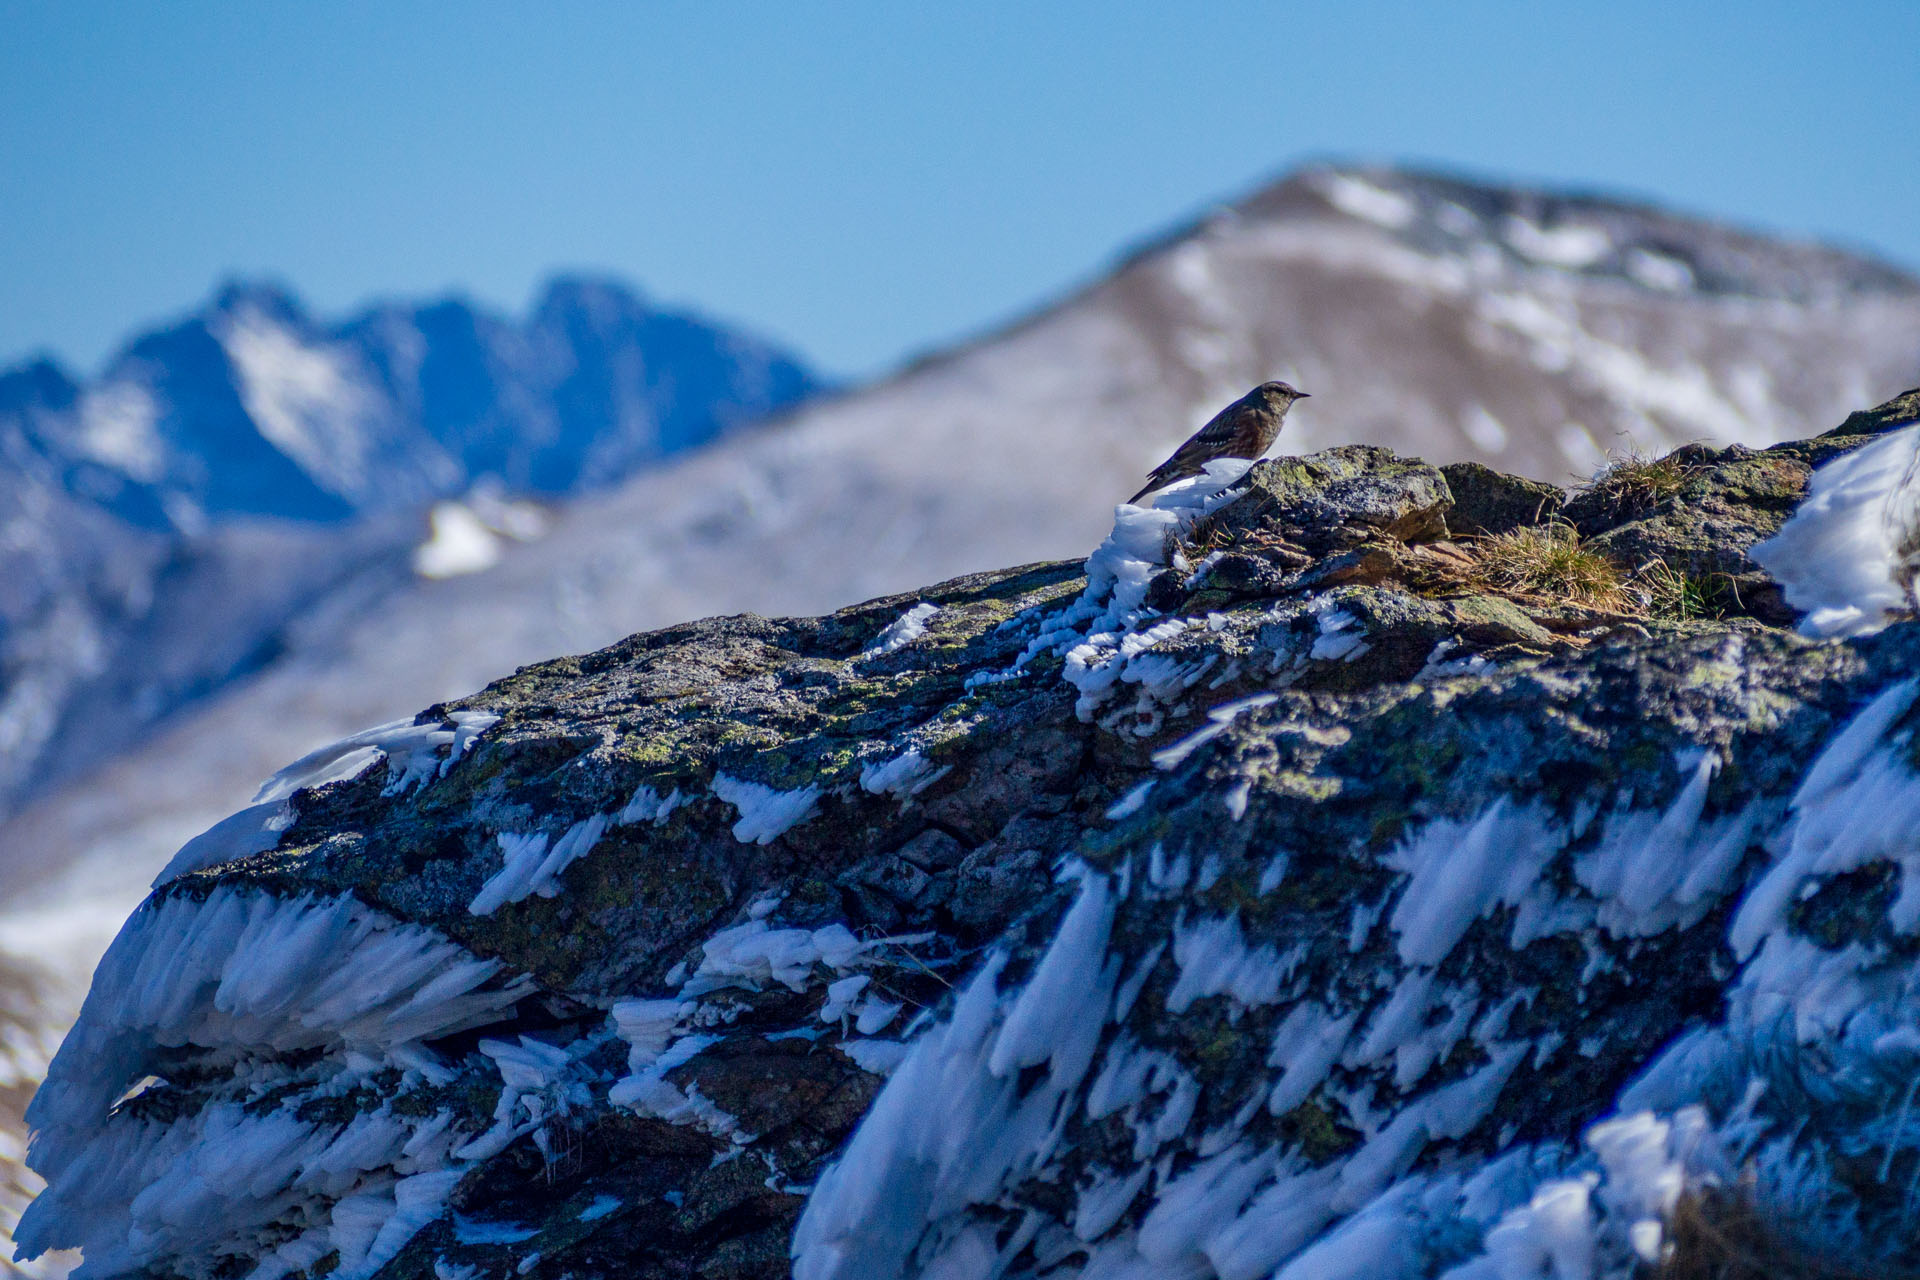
(1223, 427)
(1205, 444)
(1200, 448)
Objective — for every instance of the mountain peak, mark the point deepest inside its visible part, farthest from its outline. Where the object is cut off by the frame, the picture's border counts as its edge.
(39, 381)
(267, 298)
(600, 300)
(1536, 226)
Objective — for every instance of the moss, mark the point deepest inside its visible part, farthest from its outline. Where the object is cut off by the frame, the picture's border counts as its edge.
(1212, 1044)
(1312, 1130)
(340, 1108)
(1847, 908)
(1302, 786)
(416, 1103)
(645, 749)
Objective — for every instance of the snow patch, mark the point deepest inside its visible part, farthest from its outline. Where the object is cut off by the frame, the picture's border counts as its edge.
(902, 631)
(904, 776)
(412, 754)
(530, 867)
(765, 814)
(1571, 247)
(1847, 556)
(1368, 202)
(252, 976)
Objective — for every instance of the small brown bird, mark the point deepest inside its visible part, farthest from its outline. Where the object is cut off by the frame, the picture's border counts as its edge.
(1244, 429)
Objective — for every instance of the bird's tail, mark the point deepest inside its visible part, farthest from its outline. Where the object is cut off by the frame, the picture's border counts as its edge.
(1152, 484)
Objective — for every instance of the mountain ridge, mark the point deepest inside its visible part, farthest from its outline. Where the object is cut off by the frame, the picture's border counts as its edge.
(249, 411)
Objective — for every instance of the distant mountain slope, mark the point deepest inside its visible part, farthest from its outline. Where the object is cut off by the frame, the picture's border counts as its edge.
(249, 456)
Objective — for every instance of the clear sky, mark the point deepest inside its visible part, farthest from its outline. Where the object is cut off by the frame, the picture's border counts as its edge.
(863, 180)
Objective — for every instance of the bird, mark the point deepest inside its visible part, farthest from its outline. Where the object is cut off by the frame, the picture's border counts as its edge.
(1244, 429)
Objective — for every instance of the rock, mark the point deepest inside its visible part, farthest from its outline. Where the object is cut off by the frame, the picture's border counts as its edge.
(1313, 901)
(1902, 410)
(1486, 501)
(1341, 495)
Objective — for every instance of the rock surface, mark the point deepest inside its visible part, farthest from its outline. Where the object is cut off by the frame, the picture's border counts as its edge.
(1268, 893)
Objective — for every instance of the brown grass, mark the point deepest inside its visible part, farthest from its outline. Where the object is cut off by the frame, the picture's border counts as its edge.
(1718, 1234)
(1545, 562)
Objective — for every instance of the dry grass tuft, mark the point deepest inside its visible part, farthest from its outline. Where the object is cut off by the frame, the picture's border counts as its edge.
(1546, 562)
(1717, 1234)
(1632, 483)
(1684, 597)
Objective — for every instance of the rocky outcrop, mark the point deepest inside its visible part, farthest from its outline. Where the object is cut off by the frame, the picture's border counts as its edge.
(1352, 868)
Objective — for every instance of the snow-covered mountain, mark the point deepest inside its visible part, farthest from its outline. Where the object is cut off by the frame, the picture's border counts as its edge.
(1440, 317)
(163, 521)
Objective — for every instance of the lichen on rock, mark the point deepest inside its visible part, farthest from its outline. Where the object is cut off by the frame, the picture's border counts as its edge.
(1276, 893)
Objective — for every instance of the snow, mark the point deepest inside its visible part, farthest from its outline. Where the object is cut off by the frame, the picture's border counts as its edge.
(458, 543)
(1845, 557)
(664, 1034)
(1336, 643)
(1572, 246)
(117, 426)
(1214, 959)
(880, 1057)
(1130, 803)
(765, 814)
(648, 805)
(902, 631)
(1366, 200)
(1658, 271)
(904, 776)
(1106, 635)
(412, 754)
(1856, 805)
(1308, 1041)
(1611, 874)
(530, 867)
(1669, 393)
(1487, 432)
(755, 953)
(469, 535)
(253, 976)
(1219, 719)
(305, 398)
(1460, 871)
(602, 1206)
(1240, 1209)
(479, 1231)
(1658, 870)
(952, 1123)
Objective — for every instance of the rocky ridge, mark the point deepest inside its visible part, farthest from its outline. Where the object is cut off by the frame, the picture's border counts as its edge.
(1355, 867)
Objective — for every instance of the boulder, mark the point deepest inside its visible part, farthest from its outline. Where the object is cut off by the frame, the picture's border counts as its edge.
(1273, 893)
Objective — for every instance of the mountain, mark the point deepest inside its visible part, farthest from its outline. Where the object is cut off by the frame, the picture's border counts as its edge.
(1448, 319)
(1312, 883)
(251, 407)
(165, 521)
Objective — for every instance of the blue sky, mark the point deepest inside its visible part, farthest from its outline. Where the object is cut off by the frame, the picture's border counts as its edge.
(863, 180)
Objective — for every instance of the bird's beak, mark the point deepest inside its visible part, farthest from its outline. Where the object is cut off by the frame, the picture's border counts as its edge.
(1301, 395)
